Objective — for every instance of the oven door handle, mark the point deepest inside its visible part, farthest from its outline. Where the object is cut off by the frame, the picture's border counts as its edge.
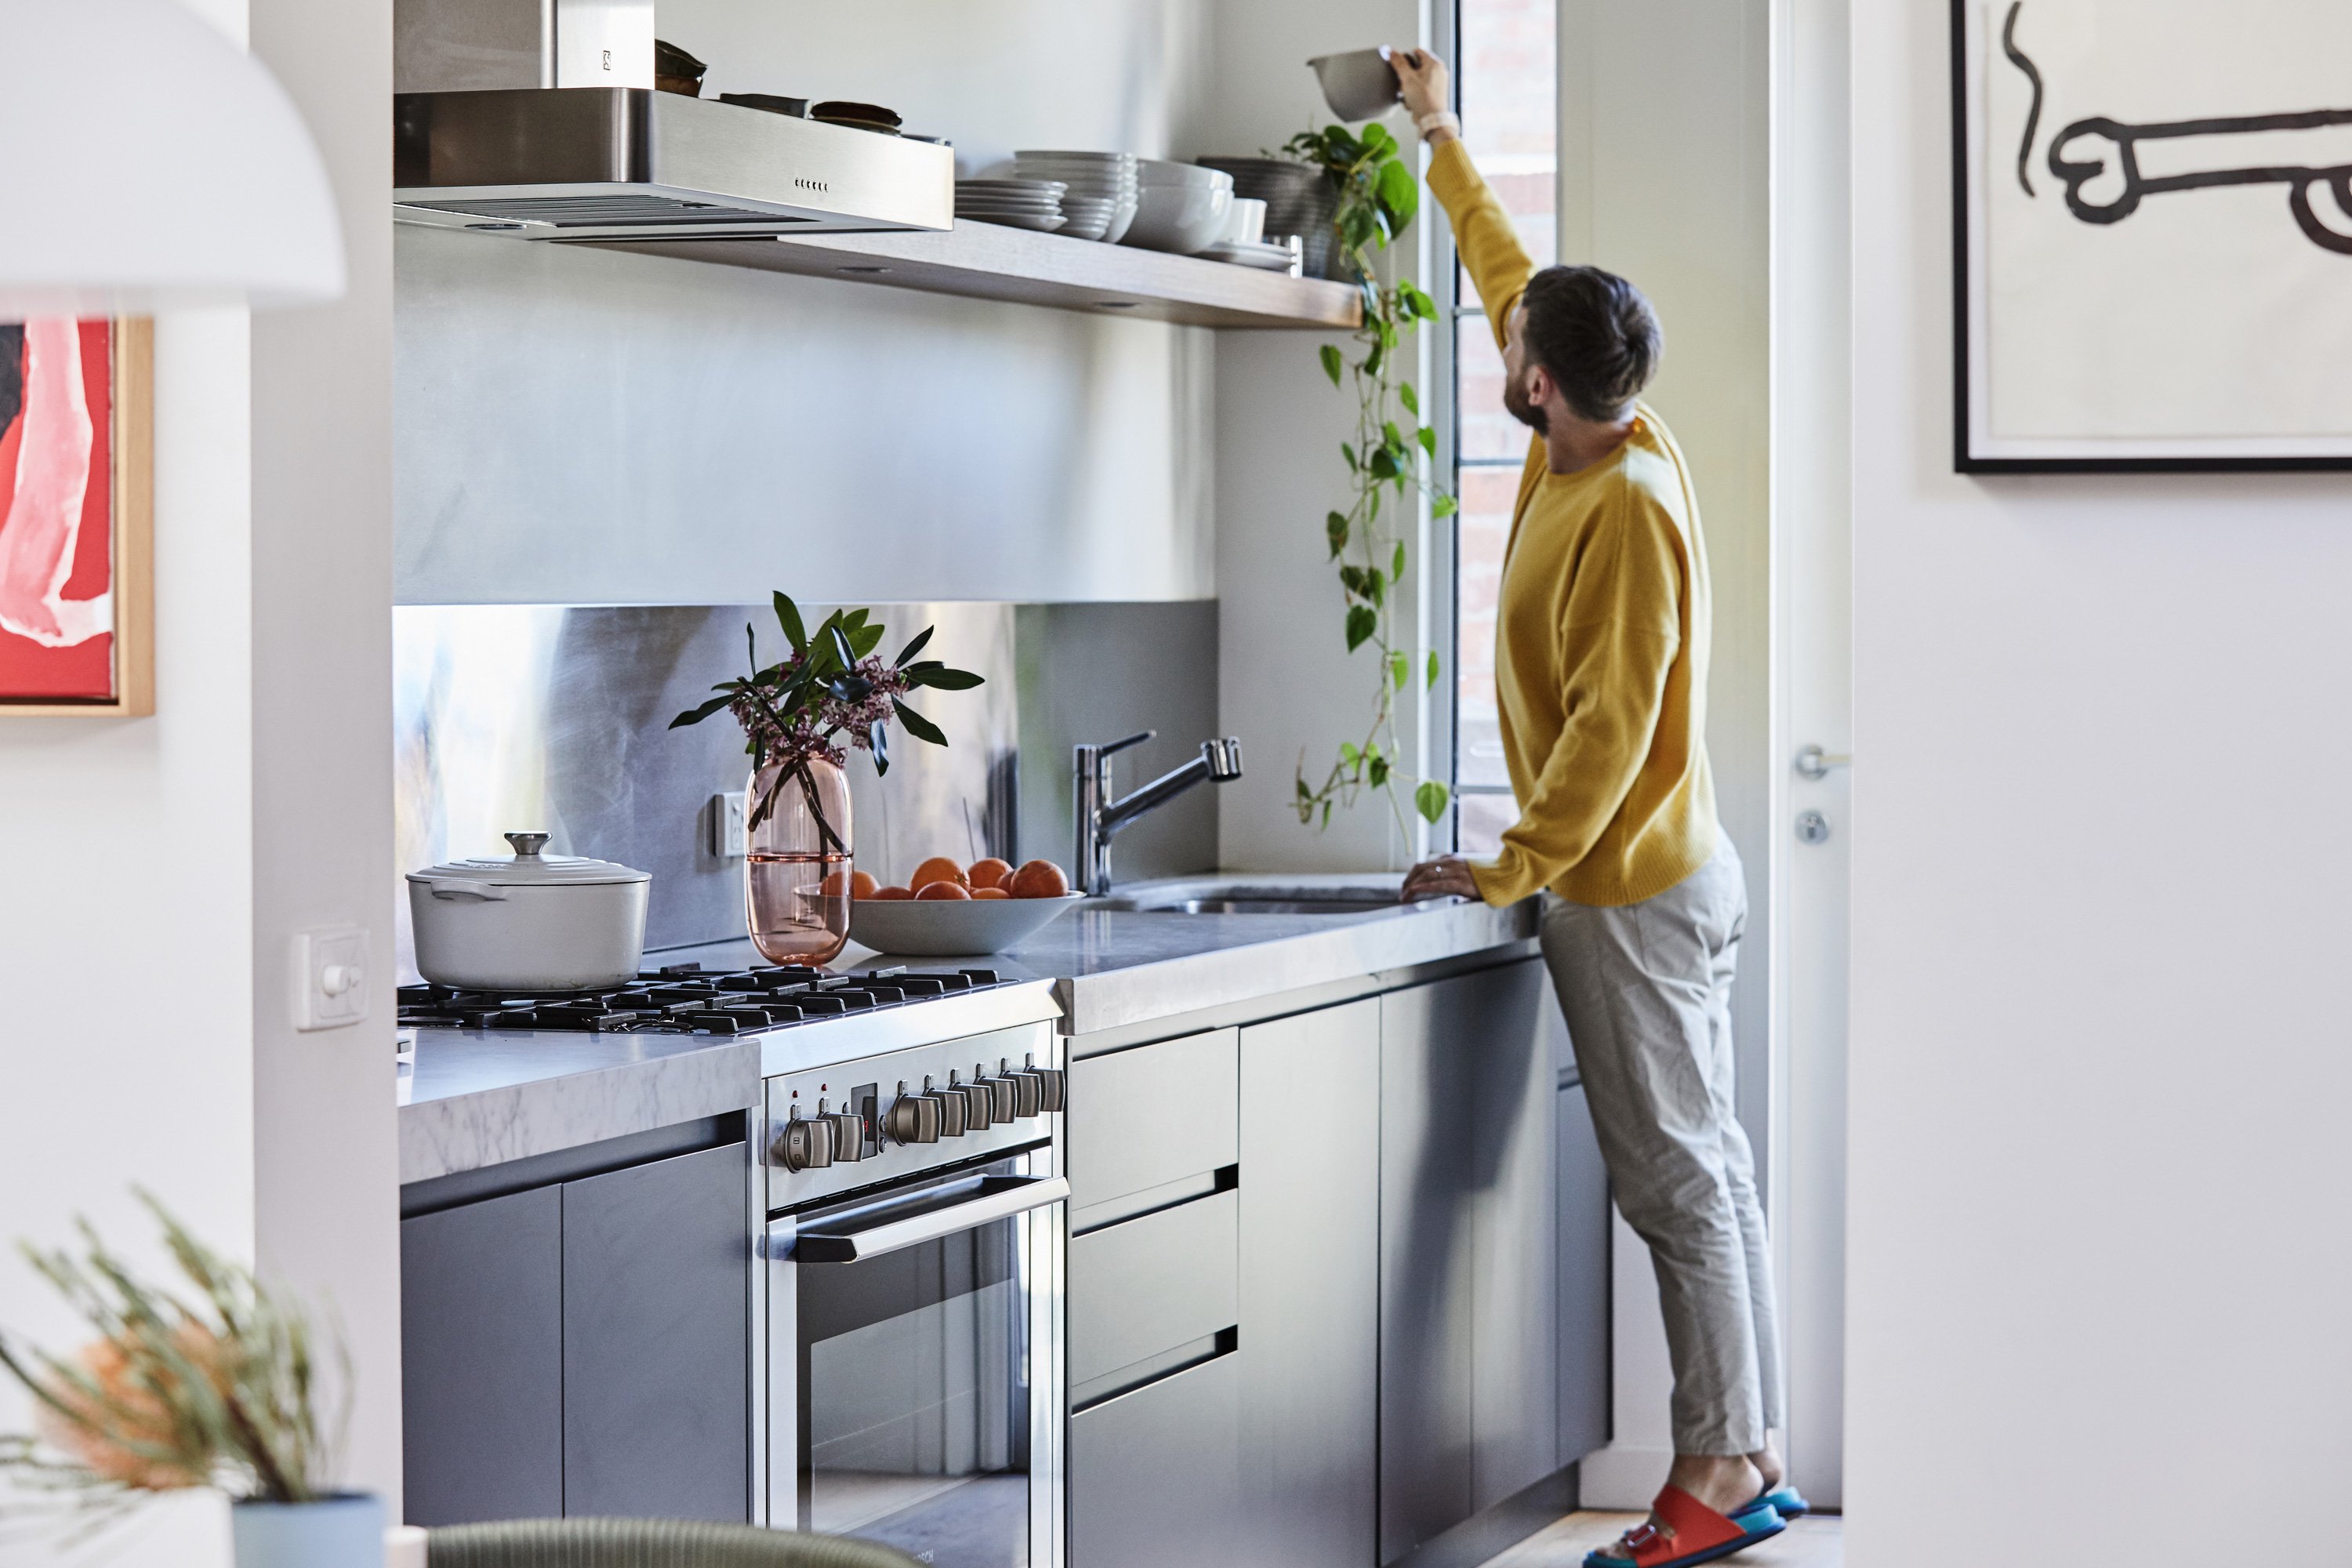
(1001, 1197)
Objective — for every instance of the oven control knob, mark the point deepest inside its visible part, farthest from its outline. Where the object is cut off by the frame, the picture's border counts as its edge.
(848, 1135)
(979, 1100)
(953, 1106)
(1005, 1095)
(1052, 1086)
(913, 1118)
(1028, 1089)
(804, 1146)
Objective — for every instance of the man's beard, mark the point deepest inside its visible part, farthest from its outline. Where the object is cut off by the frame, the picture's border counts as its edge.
(1520, 407)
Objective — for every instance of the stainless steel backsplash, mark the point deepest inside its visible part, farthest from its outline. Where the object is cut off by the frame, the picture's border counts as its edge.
(556, 719)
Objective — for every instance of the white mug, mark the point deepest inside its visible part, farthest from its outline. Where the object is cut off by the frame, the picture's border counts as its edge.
(1247, 224)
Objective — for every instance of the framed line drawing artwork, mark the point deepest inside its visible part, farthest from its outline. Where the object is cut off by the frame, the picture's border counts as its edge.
(2153, 225)
(77, 503)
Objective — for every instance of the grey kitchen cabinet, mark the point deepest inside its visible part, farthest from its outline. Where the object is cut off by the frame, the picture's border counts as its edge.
(582, 1347)
(1155, 1475)
(657, 1330)
(1147, 1120)
(1468, 1355)
(1309, 1337)
(1584, 1314)
(1151, 1285)
(481, 1315)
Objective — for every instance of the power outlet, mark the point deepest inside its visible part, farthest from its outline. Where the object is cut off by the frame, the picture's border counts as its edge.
(330, 979)
(728, 839)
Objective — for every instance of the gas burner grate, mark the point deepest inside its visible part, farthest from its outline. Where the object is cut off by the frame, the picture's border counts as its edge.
(686, 999)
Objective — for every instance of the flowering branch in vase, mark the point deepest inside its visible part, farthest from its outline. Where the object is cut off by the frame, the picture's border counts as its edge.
(832, 696)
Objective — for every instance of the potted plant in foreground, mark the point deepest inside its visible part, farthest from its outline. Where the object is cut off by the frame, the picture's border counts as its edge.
(802, 716)
(217, 1386)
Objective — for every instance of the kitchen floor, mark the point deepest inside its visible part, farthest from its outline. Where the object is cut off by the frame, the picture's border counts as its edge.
(1814, 1542)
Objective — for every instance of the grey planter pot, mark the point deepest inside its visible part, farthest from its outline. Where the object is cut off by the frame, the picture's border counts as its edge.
(344, 1531)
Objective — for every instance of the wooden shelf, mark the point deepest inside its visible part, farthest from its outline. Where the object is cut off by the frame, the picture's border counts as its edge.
(988, 261)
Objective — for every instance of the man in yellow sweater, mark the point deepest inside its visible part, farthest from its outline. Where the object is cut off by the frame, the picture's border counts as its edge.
(1601, 658)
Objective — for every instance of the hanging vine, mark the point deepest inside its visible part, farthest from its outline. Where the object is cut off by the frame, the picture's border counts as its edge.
(1388, 461)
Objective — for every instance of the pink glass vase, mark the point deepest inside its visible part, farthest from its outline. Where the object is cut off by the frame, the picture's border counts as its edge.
(796, 873)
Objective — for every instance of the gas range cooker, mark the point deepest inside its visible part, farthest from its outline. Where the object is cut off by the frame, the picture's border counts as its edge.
(686, 999)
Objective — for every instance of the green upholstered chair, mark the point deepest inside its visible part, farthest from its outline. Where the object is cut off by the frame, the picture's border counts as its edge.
(645, 1543)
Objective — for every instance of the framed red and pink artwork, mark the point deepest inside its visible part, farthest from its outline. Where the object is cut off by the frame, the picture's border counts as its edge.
(76, 501)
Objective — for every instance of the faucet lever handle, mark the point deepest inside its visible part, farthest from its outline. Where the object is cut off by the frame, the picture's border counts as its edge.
(1135, 740)
(1224, 757)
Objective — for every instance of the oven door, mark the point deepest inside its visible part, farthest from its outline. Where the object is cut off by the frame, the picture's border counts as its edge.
(914, 1368)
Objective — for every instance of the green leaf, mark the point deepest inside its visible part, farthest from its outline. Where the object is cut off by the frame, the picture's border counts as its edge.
(1383, 464)
(1372, 505)
(1432, 669)
(1429, 440)
(922, 729)
(940, 678)
(1379, 771)
(1399, 194)
(1396, 562)
(1377, 141)
(696, 715)
(1431, 799)
(1444, 506)
(1348, 452)
(1400, 670)
(1410, 398)
(1376, 586)
(1361, 623)
(1392, 437)
(1335, 529)
(912, 649)
(879, 738)
(788, 615)
(1332, 361)
(1326, 814)
(864, 639)
(1348, 752)
(1375, 359)
(1352, 579)
(841, 651)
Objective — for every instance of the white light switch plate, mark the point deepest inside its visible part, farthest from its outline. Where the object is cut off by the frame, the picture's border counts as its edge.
(330, 980)
(727, 839)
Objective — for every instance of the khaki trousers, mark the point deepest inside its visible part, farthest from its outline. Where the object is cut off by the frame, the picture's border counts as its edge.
(1646, 989)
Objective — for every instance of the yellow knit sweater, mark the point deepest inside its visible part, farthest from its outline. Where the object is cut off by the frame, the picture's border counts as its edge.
(1601, 640)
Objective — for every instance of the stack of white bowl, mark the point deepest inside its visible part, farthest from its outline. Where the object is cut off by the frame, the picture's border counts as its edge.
(1015, 204)
(1183, 206)
(1103, 189)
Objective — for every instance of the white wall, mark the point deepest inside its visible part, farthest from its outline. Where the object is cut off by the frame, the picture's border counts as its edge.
(155, 866)
(2099, 1263)
(584, 426)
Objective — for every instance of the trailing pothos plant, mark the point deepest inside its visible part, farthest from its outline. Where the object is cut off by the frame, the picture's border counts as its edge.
(1387, 463)
(832, 696)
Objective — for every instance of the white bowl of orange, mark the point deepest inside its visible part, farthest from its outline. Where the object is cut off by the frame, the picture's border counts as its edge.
(948, 909)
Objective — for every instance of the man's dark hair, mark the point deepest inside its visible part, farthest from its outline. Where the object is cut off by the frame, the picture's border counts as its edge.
(1597, 336)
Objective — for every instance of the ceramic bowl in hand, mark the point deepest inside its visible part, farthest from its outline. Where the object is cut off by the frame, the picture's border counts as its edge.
(1358, 85)
(941, 928)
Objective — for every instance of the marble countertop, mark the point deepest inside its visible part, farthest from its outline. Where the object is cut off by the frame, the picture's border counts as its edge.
(473, 1099)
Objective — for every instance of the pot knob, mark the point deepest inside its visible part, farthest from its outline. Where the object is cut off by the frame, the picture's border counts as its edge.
(1053, 1086)
(1028, 1089)
(527, 846)
(804, 1146)
(913, 1118)
(849, 1133)
(1003, 1092)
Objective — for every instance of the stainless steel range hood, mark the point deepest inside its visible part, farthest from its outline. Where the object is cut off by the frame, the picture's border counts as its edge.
(627, 162)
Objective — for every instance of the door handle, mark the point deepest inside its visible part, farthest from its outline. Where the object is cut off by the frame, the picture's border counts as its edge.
(1814, 764)
(996, 1197)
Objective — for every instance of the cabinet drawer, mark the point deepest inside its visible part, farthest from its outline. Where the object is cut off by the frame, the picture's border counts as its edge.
(1153, 1479)
(1152, 1284)
(1143, 1118)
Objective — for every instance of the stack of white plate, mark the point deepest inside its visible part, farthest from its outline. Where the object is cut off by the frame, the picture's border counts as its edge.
(1093, 178)
(1183, 207)
(1015, 204)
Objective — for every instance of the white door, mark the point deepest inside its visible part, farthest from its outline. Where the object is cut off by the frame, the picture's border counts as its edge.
(1814, 685)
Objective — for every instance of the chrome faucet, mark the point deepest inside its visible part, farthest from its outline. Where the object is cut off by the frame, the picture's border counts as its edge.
(1099, 816)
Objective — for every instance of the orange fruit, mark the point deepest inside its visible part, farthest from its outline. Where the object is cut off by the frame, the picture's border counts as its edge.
(938, 868)
(894, 893)
(935, 891)
(856, 884)
(990, 872)
(1039, 880)
(990, 893)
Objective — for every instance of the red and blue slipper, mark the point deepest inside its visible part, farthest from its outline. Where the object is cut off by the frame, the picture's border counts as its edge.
(1683, 1531)
(1786, 1501)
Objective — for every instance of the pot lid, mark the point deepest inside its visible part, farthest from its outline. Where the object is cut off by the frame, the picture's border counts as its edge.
(530, 868)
